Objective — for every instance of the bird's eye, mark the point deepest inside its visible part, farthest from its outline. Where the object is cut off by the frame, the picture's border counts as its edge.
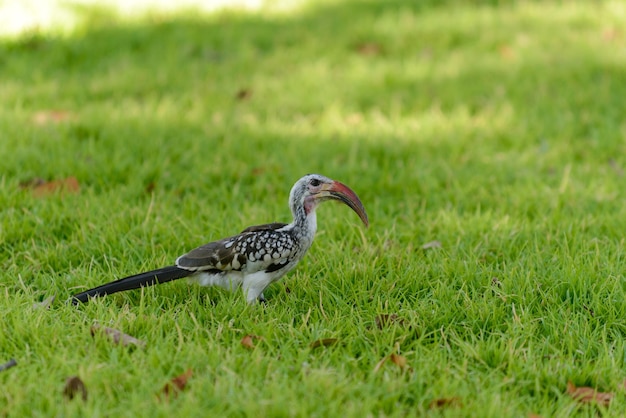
(315, 182)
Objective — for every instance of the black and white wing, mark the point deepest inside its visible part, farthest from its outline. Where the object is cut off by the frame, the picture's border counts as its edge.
(258, 248)
(265, 227)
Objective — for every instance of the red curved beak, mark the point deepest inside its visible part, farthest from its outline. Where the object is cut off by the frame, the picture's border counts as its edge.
(343, 193)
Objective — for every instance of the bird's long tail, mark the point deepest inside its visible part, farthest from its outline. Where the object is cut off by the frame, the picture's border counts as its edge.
(148, 278)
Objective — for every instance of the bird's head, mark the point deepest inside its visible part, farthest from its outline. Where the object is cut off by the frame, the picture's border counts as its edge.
(313, 189)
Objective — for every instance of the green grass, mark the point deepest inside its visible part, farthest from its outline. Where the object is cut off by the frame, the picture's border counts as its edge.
(496, 128)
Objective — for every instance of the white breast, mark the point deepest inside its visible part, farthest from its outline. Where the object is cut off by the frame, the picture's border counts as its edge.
(230, 280)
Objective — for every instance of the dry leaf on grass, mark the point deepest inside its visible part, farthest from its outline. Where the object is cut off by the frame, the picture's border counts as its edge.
(369, 48)
(45, 304)
(431, 244)
(74, 386)
(354, 119)
(507, 52)
(150, 187)
(118, 337)
(610, 34)
(45, 117)
(384, 320)
(248, 340)
(396, 359)
(42, 188)
(8, 365)
(244, 94)
(586, 394)
(324, 342)
(257, 171)
(176, 385)
(454, 401)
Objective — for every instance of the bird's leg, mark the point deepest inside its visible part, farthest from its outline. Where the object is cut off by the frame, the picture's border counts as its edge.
(254, 284)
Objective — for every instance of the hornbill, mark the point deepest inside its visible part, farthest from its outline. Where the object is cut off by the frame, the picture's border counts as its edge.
(254, 259)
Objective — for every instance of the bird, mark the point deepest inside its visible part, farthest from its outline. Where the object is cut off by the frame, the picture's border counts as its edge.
(255, 258)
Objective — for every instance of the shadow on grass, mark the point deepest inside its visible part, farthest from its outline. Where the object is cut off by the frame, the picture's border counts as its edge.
(416, 94)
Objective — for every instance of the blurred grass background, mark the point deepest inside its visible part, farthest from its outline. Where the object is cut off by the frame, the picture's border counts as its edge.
(495, 128)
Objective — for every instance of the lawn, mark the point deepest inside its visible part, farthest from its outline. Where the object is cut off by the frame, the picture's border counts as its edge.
(487, 141)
